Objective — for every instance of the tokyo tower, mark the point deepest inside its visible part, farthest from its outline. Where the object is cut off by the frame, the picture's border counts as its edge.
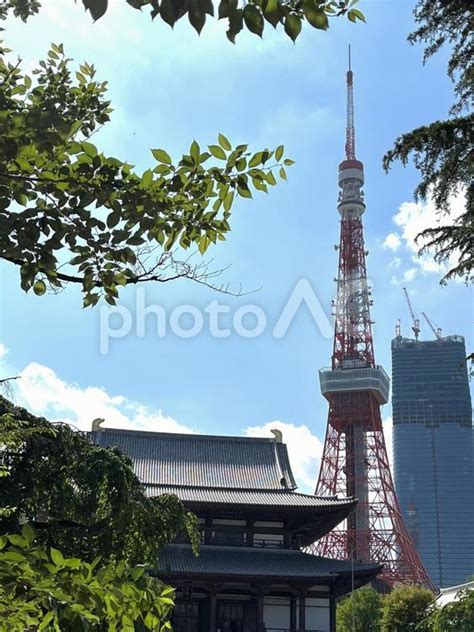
(355, 461)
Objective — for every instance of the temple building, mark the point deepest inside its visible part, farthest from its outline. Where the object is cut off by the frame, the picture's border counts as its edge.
(252, 574)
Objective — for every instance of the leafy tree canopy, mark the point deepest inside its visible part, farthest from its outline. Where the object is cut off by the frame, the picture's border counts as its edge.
(42, 590)
(405, 610)
(70, 214)
(457, 616)
(82, 499)
(239, 14)
(359, 612)
(442, 150)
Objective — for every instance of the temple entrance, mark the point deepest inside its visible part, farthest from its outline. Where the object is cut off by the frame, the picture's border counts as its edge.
(186, 617)
(236, 617)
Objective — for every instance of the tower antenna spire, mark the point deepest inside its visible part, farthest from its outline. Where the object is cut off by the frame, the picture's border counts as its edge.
(350, 129)
(355, 462)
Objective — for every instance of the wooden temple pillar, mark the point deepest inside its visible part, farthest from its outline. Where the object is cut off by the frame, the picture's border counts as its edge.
(332, 612)
(293, 627)
(260, 621)
(212, 611)
(302, 611)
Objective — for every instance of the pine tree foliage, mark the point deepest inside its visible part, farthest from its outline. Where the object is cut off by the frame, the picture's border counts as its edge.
(442, 150)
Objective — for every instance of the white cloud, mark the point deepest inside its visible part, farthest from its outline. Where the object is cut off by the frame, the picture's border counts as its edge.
(413, 218)
(3, 351)
(44, 393)
(395, 263)
(409, 274)
(392, 241)
(304, 447)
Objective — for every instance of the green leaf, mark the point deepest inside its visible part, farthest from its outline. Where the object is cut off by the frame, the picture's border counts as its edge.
(315, 15)
(258, 184)
(203, 244)
(288, 162)
(217, 152)
(97, 8)
(48, 617)
(113, 219)
(196, 17)
(147, 178)
(89, 149)
(279, 152)
(283, 173)
(17, 540)
(272, 12)
(28, 533)
(39, 288)
(244, 192)
(228, 201)
(256, 159)
(356, 12)
(206, 6)
(57, 557)
(253, 19)
(271, 178)
(224, 143)
(12, 556)
(161, 156)
(137, 572)
(195, 152)
(293, 26)
(226, 7)
(121, 279)
(168, 12)
(236, 21)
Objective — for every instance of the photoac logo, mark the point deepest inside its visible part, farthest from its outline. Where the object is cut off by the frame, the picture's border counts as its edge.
(217, 319)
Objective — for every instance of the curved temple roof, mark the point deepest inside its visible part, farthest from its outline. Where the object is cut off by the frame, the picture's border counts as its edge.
(237, 474)
(191, 460)
(249, 497)
(247, 563)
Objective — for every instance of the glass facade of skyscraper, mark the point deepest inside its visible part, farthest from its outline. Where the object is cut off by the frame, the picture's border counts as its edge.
(433, 453)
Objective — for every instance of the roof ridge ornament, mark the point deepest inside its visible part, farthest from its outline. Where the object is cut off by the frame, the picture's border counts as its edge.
(277, 434)
(96, 424)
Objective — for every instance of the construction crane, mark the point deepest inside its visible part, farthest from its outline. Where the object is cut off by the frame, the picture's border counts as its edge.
(437, 332)
(415, 320)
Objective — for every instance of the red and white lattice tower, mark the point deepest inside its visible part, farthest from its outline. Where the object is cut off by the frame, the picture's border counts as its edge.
(355, 461)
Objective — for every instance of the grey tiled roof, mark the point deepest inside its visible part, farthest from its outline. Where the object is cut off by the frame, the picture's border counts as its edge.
(249, 562)
(203, 461)
(248, 497)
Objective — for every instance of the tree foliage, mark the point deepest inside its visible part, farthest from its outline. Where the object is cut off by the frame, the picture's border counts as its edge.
(359, 612)
(442, 150)
(252, 15)
(405, 610)
(70, 214)
(42, 590)
(457, 616)
(82, 499)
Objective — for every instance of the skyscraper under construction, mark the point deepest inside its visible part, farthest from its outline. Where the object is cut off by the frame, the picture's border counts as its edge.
(433, 453)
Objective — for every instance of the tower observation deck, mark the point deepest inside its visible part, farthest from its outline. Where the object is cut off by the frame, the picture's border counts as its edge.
(355, 461)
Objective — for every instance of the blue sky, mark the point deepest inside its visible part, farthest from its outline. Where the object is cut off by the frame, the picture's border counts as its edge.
(170, 87)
